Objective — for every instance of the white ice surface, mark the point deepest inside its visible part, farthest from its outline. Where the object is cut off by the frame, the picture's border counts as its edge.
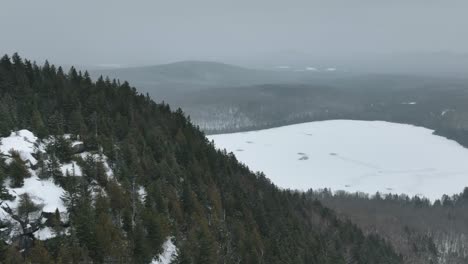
(367, 156)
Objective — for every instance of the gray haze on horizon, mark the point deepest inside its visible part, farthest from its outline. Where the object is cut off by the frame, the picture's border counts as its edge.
(152, 32)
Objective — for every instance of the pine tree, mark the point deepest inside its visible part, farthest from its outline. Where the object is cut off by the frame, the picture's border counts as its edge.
(62, 149)
(39, 254)
(4, 193)
(6, 124)
(55, 123)
(83, 217)
(207, 247)
(42, 167)
(54, 170)
(26, 206)
(76, 125)
(13, 256)
(56, 222)
(17, 170)
(101, 174)
(38, 124)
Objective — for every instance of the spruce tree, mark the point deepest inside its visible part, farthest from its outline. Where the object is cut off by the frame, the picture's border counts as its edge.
(54, 170)
(39, 254)
(76, 125)
(42, 167)
(38, 124)
(26, 206)
(17, 170)
(55, 123)
(4, 193)
(62, 149)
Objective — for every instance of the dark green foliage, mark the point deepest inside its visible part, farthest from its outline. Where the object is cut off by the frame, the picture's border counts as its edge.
(53, 169)
(17, 170)
(76, 125)
(416, 227)
(42, 167)
(216, 209)
(26, 206)
(37, 124)
(55, 123)
(4, 194)
(94, 170)
(61, 147)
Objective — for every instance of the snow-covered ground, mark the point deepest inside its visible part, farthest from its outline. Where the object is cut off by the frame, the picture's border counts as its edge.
(21, 141)
(366, 156)
(43, 192)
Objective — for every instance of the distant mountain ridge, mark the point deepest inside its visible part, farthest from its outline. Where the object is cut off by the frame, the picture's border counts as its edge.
(191, 75)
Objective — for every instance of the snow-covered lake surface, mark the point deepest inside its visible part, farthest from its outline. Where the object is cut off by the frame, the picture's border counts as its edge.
(365, 156)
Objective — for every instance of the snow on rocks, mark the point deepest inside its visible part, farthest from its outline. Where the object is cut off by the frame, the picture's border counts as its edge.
(43, 192)
(23, 142)
(168, 255)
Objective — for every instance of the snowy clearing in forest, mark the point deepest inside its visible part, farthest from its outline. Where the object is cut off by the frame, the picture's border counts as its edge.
(364, 156)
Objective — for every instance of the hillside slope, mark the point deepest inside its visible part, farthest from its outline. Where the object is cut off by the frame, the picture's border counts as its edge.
(423, 232)
(138, 178)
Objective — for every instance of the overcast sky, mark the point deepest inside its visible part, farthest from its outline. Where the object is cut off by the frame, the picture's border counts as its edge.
(91, 32)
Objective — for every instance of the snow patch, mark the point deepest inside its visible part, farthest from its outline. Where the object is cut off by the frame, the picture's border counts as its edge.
(72, 168)
(44, 233)
(142, 193)
(23, 142)
(43, 192)
(168, 255)
(74, 143)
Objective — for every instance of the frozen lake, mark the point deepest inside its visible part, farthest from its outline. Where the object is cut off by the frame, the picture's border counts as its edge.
(367, 156)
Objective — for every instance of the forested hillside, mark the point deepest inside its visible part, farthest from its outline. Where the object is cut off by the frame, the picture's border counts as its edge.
(137, 177)
(435, 103)
(421, 230)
